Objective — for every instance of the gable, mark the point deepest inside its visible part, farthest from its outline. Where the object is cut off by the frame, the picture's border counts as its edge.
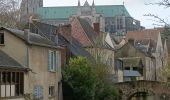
(79, 33)
(128, 51)
(15, 47)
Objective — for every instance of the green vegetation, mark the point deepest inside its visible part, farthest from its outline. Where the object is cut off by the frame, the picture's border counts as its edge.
(79, 80)
(105, 89)
(83, 80)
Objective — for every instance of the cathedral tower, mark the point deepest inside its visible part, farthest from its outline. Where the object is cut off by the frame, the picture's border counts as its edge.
(29, 8)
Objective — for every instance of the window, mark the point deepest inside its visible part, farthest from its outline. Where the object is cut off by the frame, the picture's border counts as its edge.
(11, 84)
(1, 38)
(127, 68)
(54, 60)
(51, 91)
(135, 68)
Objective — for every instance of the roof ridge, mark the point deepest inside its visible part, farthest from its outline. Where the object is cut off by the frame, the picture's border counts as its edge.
(76, 6)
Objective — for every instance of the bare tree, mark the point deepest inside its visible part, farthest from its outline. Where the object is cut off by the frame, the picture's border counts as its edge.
(9, 13)
(164, 3)
(158, 20)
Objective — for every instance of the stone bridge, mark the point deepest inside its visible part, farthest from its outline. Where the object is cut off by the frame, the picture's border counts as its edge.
(157, 89)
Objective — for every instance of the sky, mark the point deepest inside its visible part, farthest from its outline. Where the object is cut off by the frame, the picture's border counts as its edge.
(136, 8)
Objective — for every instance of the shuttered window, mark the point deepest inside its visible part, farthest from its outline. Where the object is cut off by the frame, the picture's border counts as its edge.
(38, 92)
(58, 60)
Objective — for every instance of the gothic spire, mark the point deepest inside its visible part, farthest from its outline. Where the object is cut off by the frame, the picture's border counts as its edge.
(79, 3)
(93, 4)
(86, 3)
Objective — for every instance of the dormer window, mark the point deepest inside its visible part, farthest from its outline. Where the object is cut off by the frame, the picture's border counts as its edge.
(1, 38)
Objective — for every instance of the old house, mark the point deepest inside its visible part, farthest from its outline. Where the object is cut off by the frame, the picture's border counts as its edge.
(30, 66)
(93, 42)
(61, 35)
(149, 41)
(138, 65)
(83, 32)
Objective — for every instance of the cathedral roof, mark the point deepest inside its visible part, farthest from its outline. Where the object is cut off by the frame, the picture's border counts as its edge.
(66, 12)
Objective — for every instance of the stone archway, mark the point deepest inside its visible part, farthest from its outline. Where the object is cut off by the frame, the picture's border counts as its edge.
(144, 92)
(128, 95)
(154, 88)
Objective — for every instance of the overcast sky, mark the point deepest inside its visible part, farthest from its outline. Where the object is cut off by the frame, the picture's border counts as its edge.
(136, 8)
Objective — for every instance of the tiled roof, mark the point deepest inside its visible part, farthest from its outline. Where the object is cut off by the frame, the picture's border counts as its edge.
(92, 35)
(75, 47)
(143, 34)
(33, 38)
(145, 40)
(8, 62)
(63, 39)
(68, 11)
(146, 45)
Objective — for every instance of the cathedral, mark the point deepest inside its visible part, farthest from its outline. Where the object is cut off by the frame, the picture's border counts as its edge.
(114, 19)
(29, 8)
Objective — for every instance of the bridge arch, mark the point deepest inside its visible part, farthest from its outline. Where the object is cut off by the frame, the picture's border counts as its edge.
(145, 92)
(129, 89)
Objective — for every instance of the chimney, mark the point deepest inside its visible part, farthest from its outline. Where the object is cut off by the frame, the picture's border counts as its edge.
(26, 34)
(56, 36)
(96, 27)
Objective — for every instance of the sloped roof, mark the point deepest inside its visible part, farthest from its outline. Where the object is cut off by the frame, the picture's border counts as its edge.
(131, 61)
(35, 39)
(131, 73)
(143, 37)
(75, 47)
(8, 62)
(92, 35)
(124, 50)
(146, 44)
(63, 39)
(143, 34)
(65, 12)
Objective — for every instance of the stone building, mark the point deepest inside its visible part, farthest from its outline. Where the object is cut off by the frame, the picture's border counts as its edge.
(139, 65)
(30, 66)
(114, 19)
(149, 41)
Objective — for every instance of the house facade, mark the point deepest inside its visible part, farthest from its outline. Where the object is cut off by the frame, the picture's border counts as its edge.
(94, 43)
(39, 76)
(149, 41)
(137, 64)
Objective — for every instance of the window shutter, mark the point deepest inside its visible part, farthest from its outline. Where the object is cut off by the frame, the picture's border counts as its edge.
(49, 59)
(56, 67)
(59, 60)
(38, 92)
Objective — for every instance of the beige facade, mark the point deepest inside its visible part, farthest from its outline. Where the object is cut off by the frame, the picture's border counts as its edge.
(133, 59)
(35, 57)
